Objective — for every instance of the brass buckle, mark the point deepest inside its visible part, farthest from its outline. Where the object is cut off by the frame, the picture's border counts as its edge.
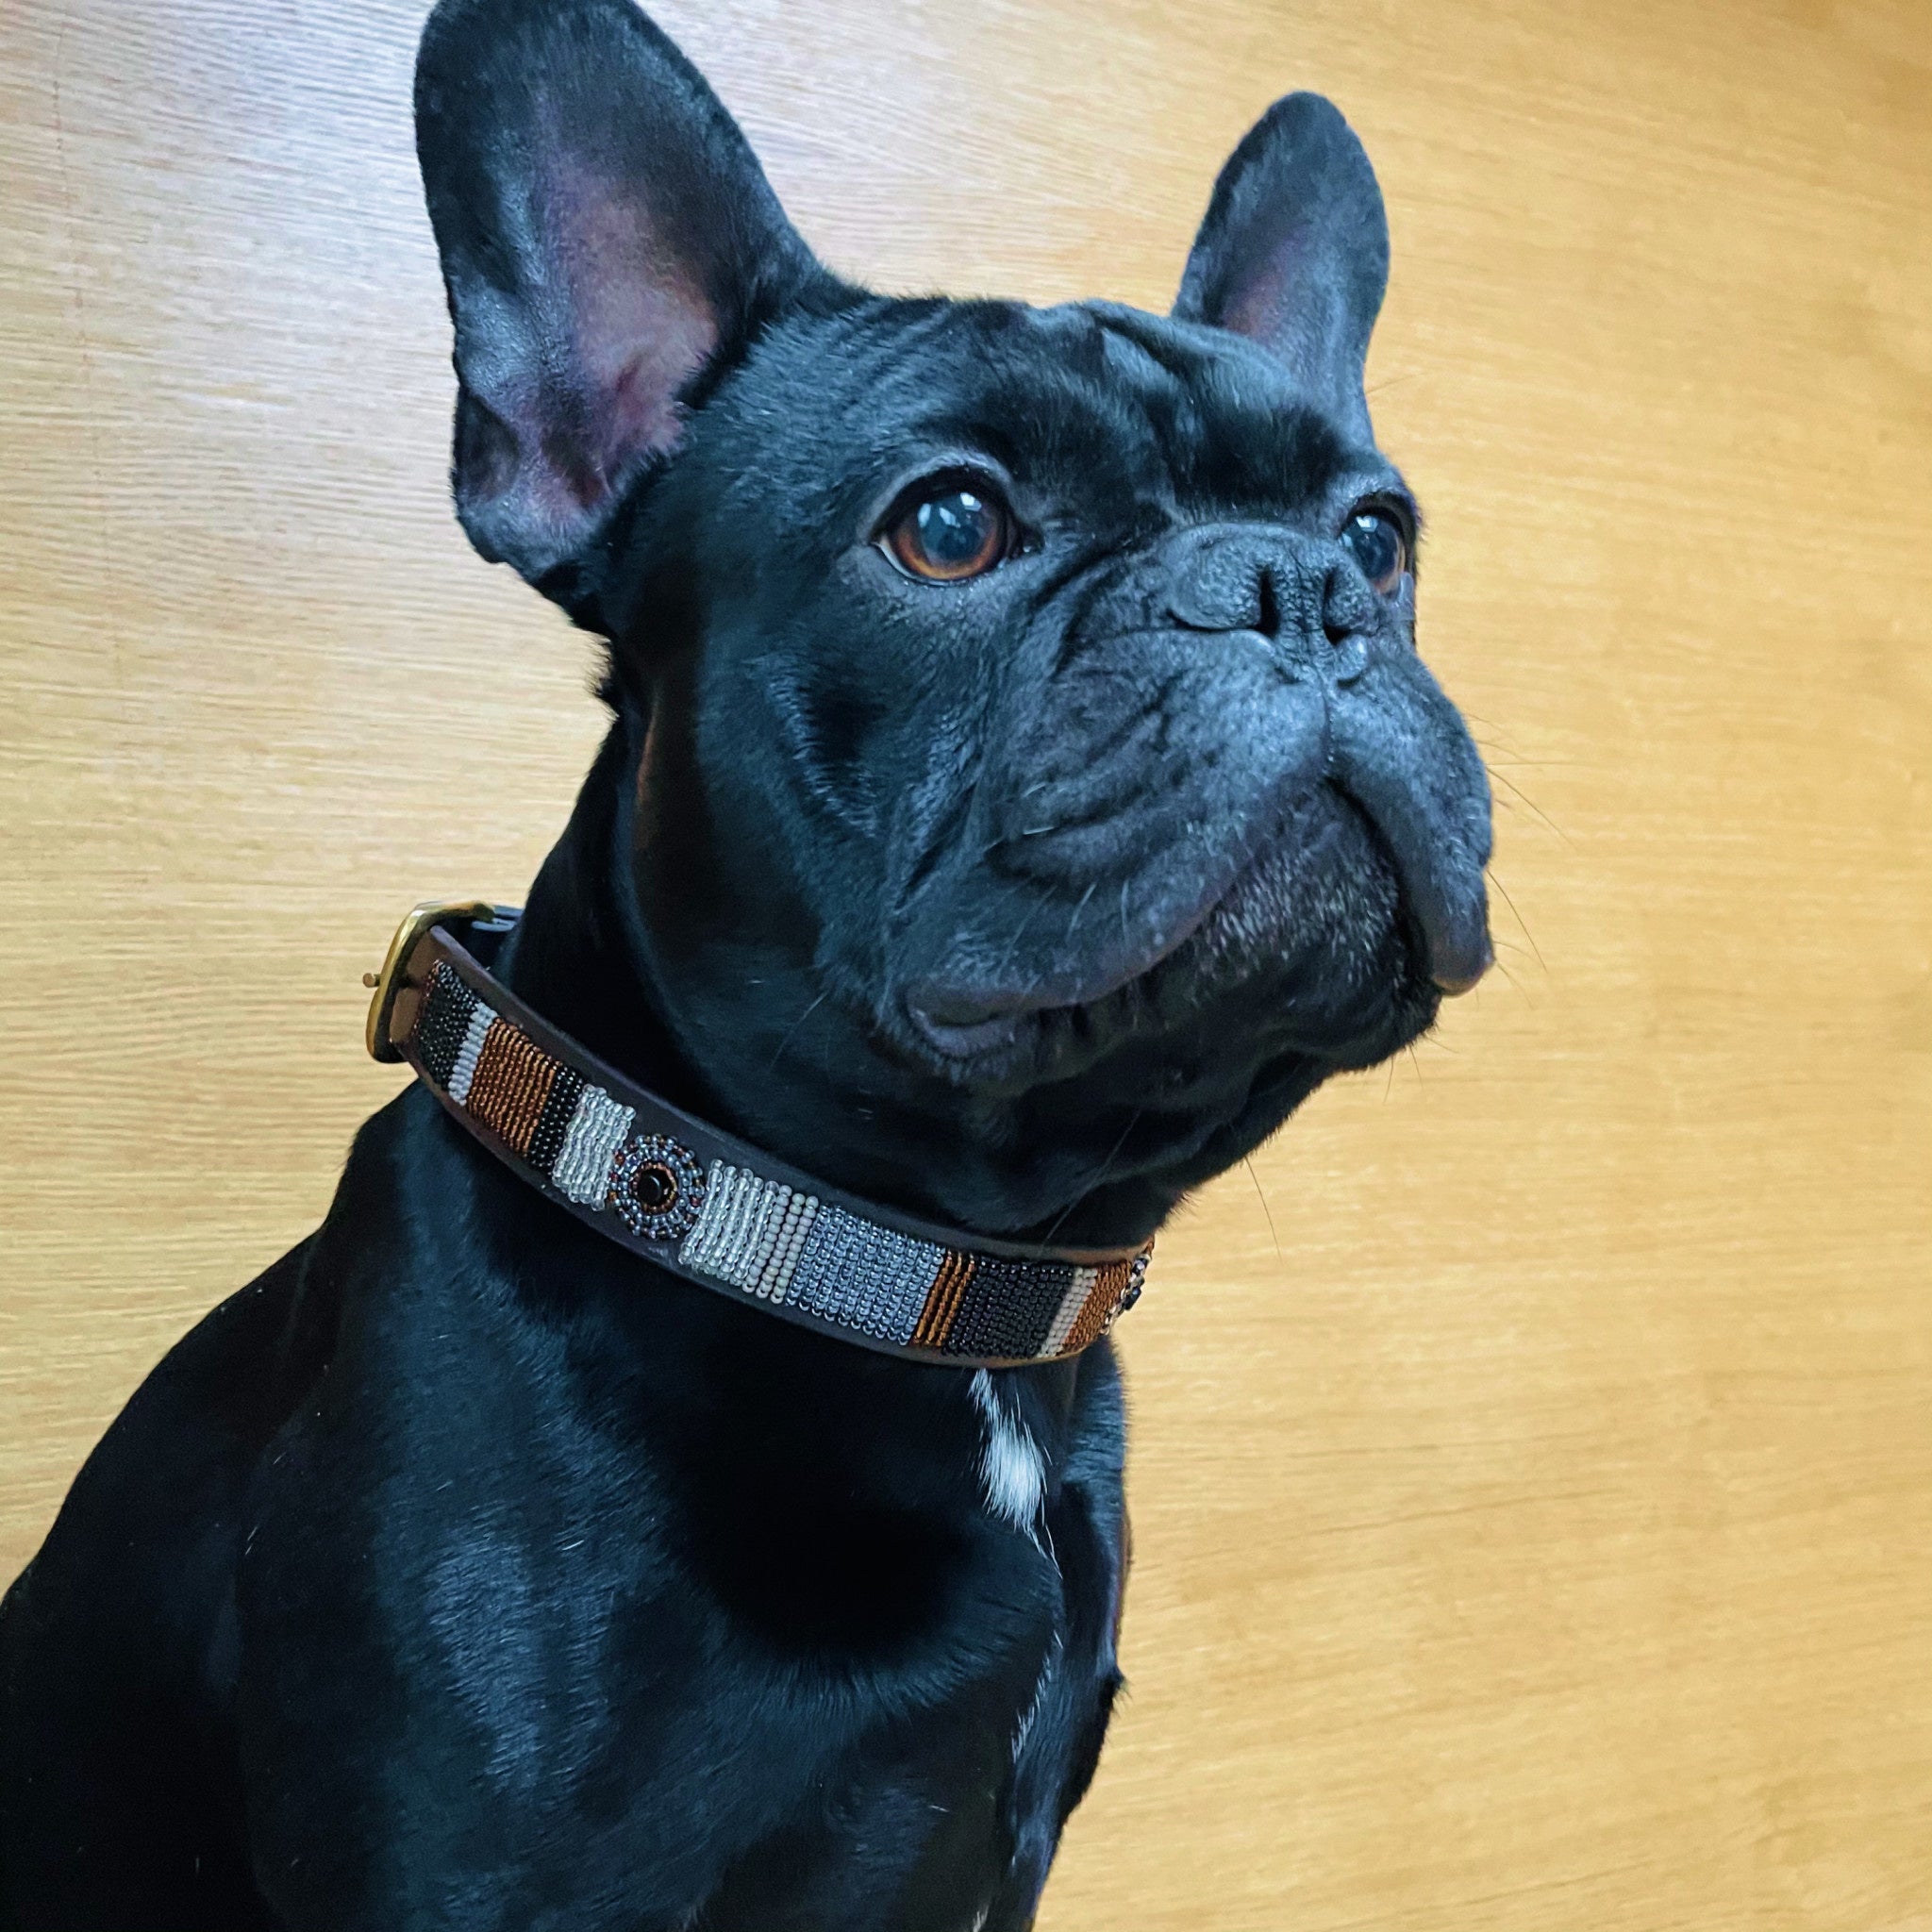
(389, 982)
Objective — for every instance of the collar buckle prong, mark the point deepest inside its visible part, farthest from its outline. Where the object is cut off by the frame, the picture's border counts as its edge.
(390, 982)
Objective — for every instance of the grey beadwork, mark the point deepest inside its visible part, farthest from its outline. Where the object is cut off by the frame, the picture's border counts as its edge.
(873, 1278)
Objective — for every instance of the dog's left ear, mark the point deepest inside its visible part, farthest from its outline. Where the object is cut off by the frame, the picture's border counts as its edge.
(1293, 252)
(609, 240)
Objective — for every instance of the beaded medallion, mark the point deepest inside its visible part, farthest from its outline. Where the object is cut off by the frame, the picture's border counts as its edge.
(658, 1187)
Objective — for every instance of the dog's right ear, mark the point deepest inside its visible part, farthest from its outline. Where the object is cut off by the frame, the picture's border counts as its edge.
(607, 240)
(1293, 252)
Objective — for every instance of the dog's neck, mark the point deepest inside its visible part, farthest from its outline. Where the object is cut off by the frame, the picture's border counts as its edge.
(580, 957)
(575, 955)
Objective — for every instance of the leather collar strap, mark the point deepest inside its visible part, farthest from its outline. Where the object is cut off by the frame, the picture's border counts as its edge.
(707, 1206)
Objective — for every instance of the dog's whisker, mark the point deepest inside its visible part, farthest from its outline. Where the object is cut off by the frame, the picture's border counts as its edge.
(1099, 1179)
(791, 1032)
(1495, 880)
(1503, 967)
(1260, 1195)
(1487, 724)
(1074, 919)
(1534, 807)
(1019, 932)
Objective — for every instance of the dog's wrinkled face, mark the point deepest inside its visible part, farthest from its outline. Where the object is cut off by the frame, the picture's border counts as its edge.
(1039, 792)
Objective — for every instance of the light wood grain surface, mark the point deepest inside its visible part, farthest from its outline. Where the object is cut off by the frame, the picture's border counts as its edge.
(1533, 1453)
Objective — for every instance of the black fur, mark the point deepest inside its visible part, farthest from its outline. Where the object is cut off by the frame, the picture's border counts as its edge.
(463, 1571)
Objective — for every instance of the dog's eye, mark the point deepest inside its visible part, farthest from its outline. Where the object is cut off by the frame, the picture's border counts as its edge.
(954, 534)
(1377, 543)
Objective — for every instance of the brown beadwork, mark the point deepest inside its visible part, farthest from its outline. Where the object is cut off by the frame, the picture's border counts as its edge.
(514, 1079)
(1109, 1284)
(942, 1300)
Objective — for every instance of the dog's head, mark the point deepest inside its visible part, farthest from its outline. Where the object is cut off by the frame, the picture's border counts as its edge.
(1036, 792)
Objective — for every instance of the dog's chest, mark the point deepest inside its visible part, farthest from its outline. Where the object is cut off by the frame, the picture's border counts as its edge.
(741, 1646)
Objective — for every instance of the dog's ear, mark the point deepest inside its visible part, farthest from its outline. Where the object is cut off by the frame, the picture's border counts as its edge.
(1293, 252)
(607, 240)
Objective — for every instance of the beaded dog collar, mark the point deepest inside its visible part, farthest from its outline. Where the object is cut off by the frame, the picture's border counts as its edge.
(705, 1204)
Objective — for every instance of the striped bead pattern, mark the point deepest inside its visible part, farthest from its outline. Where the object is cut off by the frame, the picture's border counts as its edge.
(771, 1242)
(788, 1248)
(750, 1233)
(545, 1113)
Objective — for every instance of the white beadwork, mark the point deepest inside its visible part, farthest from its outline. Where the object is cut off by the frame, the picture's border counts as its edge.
(464, 1071)
(711, 1240)
(597, 1128)
(722, 1208)
(763, 1206)
(750, 1233)
(1068, 1310)
(792, 1229)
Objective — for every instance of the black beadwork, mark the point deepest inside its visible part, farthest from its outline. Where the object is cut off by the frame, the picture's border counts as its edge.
(1009, 1308)
(552, 1124)
(441, 1020)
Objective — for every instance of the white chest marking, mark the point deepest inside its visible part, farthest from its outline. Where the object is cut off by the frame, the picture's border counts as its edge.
(1011, 1473)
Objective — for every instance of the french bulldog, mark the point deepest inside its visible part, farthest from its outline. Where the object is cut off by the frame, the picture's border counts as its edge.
(1021, 791)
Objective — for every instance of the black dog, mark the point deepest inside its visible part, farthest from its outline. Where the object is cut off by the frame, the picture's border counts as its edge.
(1022, 791)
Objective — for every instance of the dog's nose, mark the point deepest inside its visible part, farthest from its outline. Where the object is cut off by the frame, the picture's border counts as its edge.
(1348, 619)
(1348, 604)
(1225, 581)
(1294, 591)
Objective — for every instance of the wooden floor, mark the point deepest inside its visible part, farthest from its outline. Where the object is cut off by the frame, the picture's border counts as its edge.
(1533, 1451)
